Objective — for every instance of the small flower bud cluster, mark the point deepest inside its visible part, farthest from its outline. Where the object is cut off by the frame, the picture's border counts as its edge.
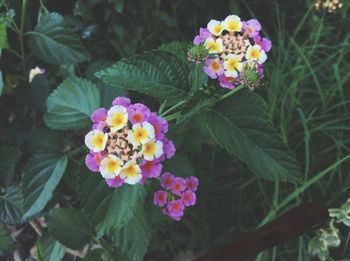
(197, 54)
(178, 194)
(234, 48)
(330, 5)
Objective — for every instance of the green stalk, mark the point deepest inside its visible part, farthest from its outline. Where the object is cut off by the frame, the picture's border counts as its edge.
(301, 189)
(172, 108)
(233, 91)
(21, 34)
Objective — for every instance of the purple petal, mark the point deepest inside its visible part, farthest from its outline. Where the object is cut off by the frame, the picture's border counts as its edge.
(99, 115)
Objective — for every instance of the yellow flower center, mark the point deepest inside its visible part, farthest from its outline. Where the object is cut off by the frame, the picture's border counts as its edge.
(233, 25)
(150, 148)
(112, 165)
(140, 135)
(213, 47)
(217, 29)
(255, 54)
(130, 171)
(97, 140)
(118, 119)
(232, 64)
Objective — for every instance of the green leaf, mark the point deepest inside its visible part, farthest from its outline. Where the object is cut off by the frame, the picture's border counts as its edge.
(1, 81)
(8, 159)
(11, 206)
(193, 106)
(53, 42)
(133, 239)
(41, 175)
(179, 49)
(3, 35)
(69, 106)
(159, 74)
(35, 95)
(241, 126)
(6, 243)
(105, 207)
(108, 93)
(49, 248)
(70, 226)
(197, 77)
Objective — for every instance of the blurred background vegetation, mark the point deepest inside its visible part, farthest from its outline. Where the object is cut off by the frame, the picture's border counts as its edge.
(306, 87)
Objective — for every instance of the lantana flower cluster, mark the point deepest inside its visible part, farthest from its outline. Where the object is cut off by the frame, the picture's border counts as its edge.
(177, 194)
(330, 5)
(127, 143)
(234, 47)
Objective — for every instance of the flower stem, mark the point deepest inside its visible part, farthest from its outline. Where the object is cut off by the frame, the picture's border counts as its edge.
(172, 108)
(233, 91)
(301, 189)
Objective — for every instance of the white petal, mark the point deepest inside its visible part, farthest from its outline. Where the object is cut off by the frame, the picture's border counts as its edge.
(88, 140)
(232, 17)
(150, 129)
(159, 152)
(233, 74)
(257, 47)
(133, 180)
(136, 126)
(262, 57)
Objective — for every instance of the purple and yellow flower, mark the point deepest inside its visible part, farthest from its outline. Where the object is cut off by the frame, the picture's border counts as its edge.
(123, 101)
(138, 113)
(93, 161)
(252, 28)
(203, 35)
(263, 42)
(213, 68)
(151, 169)
(169, 148)
(115, 182)
(159, 124)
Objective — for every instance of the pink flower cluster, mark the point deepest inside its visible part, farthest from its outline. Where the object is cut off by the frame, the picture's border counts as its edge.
(178, 194)
(234, 47)
(127, 143)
